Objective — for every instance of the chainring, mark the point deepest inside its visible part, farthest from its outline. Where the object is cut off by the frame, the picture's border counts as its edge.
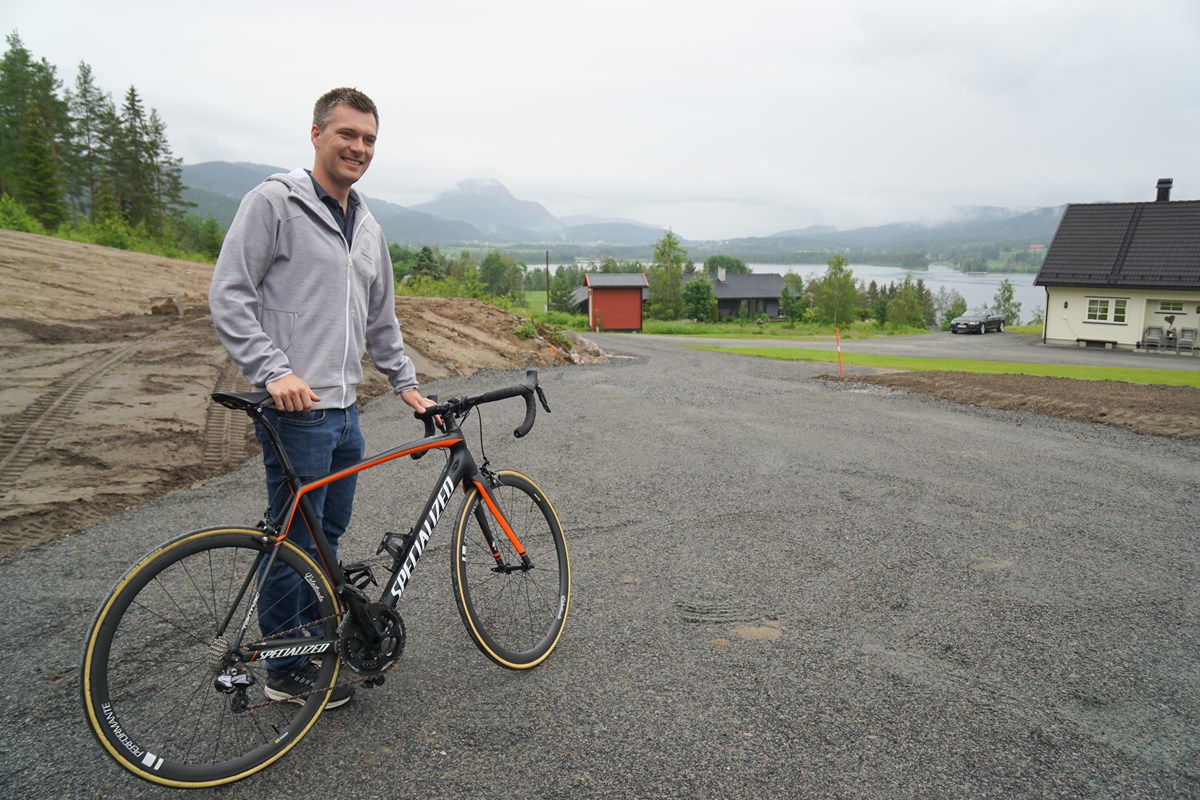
(356, 650)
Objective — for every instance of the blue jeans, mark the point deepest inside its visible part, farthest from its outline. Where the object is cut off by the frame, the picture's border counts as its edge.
(317, 442)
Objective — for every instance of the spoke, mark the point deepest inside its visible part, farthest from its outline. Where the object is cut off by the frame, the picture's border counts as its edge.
(186, 631)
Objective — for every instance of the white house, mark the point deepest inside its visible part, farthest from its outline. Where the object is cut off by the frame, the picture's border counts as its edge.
(1115, 269)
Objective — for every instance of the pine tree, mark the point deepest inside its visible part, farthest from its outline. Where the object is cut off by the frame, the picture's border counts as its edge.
(106, 201)
(169, 205)
(560, 291)
(211, 237)
(135, 177)
(26, 84)
(36, 174)
(93, 114)
(16, 77)
(427, 263)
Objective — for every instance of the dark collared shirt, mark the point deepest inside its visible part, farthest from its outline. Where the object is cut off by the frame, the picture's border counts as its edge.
(345, 219)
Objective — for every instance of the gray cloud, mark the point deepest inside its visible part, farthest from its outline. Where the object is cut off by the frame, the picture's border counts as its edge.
(718, 119)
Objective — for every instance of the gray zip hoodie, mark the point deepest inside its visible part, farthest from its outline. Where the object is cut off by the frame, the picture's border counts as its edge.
(288, 297)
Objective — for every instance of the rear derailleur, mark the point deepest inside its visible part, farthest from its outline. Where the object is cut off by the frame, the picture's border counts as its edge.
(234, 679)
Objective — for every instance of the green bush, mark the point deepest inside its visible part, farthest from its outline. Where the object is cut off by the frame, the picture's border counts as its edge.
(430, 286)
(15, 217)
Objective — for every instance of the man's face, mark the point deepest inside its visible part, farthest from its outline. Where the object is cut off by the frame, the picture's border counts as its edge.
(344, 147)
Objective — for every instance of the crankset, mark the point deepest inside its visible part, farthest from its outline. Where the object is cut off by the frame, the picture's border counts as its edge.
(371, 653)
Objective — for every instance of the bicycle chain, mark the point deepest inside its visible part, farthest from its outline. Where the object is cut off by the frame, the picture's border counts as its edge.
(304, 627)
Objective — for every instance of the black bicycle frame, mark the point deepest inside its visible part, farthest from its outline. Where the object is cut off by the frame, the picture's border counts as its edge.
(460, 470)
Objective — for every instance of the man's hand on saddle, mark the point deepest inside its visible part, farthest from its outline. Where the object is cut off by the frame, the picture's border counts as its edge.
(291, 393)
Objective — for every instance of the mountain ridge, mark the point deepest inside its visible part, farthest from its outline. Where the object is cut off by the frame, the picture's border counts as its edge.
(482, 211)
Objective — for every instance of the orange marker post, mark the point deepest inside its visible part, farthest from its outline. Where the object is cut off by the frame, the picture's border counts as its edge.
(838, 339)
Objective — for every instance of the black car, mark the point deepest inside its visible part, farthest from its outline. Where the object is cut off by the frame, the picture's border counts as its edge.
(979, 320)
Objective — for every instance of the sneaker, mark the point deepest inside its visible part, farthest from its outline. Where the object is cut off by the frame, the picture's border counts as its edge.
(293, 686)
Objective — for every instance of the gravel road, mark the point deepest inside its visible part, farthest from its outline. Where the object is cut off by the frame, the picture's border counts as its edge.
(782, 588)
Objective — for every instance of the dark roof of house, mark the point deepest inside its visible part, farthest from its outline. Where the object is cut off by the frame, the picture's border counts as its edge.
(749, 286)
(615, 280)
(1126, 245)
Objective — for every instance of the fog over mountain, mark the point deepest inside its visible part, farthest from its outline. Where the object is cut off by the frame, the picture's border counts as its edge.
(484, 212)
(715, 119)
(492, 209)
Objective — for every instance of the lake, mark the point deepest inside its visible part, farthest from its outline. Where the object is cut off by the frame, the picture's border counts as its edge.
(978, 289)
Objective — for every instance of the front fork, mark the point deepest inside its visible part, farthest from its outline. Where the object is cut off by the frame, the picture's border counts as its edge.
(484, 481)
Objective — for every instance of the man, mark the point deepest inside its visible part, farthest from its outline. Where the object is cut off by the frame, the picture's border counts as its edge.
(303, 280)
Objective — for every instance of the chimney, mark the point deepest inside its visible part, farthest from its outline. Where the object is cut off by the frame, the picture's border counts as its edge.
(720, 274)
(1164, 189)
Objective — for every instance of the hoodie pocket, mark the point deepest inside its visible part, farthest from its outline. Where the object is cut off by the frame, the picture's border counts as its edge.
(280, 326)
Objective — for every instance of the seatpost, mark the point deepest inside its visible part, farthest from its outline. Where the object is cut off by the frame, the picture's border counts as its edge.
(289, 472)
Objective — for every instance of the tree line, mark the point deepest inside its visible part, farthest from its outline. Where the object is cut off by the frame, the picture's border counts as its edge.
(679, 289)
(75, 164)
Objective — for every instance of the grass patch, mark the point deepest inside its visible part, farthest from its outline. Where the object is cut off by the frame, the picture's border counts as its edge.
(749, 329)
(1123, 374)
(535, 303)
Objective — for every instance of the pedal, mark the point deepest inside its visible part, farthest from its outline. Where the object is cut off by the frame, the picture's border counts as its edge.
(395, 544)
(359, 575)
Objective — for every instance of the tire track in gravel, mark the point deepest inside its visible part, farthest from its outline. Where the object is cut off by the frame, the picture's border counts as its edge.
(26, 437)
(225, 431)
(28, 434)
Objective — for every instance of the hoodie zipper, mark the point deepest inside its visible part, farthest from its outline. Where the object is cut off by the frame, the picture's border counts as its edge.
(346, 333)
(349, 294)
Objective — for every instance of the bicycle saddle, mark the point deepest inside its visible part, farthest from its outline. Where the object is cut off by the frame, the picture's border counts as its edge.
(242, 401)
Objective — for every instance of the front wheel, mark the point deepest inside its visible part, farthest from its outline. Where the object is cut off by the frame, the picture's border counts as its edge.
(514, 608)
(161, 643)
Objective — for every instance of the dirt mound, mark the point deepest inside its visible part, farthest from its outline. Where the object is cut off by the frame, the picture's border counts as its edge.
(1158, 410)
(109, 359)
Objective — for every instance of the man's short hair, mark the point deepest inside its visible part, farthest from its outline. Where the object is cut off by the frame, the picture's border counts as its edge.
(323, 111)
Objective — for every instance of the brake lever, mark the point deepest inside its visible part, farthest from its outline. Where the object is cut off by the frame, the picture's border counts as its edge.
(542, 397)
(430, 426)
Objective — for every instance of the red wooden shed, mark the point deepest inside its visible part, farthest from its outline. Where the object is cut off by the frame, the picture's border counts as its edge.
(615, 300)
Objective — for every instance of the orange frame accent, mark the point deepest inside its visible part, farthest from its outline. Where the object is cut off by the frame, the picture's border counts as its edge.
(512, 537)
(374, 461)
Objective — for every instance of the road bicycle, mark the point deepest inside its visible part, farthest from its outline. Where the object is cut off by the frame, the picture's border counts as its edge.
(174, 667)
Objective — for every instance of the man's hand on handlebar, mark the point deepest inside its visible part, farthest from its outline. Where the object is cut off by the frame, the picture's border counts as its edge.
(418, 403)
(413, 398)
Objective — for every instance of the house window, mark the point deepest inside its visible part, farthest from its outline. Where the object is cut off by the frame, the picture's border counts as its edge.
(1107, 309)
(1097, 310)
(1170, 306)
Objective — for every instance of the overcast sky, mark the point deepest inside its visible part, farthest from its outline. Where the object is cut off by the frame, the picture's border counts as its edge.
(718, 119)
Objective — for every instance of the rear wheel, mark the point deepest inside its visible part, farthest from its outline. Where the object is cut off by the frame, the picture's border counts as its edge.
(514, 611)
(160, 642)
(1001, 328)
